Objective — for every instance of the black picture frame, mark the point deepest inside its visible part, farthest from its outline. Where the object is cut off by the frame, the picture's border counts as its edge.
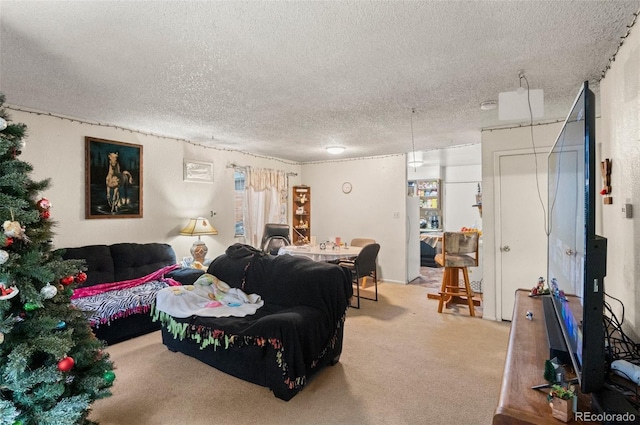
(113, 179)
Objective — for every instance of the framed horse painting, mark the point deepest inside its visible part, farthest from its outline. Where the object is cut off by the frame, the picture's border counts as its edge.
(113, 173)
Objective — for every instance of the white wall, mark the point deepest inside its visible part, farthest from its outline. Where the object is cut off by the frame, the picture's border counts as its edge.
(620, 136)
(460, 187)
(369, 211)
(55, 148)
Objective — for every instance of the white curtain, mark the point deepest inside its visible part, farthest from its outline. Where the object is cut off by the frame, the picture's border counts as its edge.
(265, 202)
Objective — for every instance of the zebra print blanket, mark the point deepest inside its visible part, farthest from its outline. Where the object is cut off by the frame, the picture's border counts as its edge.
(109, 301)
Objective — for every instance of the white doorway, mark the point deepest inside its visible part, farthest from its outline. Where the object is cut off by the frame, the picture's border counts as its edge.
(521, 240)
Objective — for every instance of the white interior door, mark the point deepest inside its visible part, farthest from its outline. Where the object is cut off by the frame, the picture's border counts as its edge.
(521, 236)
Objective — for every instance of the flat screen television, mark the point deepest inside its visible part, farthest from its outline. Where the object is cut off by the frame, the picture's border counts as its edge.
(576, 255)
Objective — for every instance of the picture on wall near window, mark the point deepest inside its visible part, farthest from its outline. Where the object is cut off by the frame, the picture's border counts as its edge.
(198, 171)
(113, 179)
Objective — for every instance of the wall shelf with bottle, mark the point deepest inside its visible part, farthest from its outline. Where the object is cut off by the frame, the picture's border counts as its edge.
(429, 192)
(301, 213)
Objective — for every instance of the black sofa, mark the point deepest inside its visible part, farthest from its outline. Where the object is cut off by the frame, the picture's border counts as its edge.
(297, 331)
(121, 262)
(427, 255)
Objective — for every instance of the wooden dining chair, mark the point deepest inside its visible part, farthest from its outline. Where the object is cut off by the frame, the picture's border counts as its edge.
(362, 241)
(459, 251)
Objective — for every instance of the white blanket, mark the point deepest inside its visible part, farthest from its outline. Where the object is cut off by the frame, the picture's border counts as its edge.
(208, 297)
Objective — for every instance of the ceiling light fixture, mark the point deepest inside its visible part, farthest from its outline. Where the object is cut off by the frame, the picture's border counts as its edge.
(488, 105)
(416, 159)
(414, 162)
(335, 150)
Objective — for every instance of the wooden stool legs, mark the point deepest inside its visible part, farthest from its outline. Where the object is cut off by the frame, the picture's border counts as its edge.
(452, 293)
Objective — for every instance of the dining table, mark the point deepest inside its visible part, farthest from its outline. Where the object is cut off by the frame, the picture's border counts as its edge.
(321, 254)
(431, 238)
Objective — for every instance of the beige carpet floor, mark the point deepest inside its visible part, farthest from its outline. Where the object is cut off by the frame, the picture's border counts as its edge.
(402, 363)
(431, 279)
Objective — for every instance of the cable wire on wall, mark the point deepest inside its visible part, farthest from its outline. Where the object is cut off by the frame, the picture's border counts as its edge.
(622, 40)
(178, 139)
(144, 133)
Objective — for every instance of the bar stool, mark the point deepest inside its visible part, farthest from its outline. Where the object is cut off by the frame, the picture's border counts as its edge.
(459, 251)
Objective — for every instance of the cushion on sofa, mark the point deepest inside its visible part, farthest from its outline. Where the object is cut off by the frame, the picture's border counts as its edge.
(100, 268)
(130, 261)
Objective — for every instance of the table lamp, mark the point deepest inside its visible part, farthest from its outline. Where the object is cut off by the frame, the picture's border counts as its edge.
(198, 226)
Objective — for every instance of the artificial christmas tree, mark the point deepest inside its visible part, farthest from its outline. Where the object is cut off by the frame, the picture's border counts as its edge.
(52, 367)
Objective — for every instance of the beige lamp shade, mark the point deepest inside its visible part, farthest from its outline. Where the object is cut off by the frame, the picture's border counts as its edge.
(197, 227)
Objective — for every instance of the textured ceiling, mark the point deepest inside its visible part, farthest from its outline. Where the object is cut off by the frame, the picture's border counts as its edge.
(286, 79)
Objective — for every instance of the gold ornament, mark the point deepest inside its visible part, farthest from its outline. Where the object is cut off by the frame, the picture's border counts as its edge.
(13, 229)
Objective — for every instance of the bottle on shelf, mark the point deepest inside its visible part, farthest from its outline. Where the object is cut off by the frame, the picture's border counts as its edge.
(428, 191)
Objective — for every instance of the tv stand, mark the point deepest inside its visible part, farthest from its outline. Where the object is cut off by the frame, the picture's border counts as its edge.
(524, 368)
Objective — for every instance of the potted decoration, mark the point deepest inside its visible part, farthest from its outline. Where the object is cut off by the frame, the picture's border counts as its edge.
(561, 400)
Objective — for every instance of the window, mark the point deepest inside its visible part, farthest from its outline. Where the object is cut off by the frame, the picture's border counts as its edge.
(238, 200)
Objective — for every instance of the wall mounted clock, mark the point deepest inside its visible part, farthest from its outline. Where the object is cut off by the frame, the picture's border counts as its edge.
(346, 187)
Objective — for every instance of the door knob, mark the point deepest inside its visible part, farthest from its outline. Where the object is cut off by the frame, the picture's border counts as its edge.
(505, 248)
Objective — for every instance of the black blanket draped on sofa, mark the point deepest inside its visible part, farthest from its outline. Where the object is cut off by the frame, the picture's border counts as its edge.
(297, 331)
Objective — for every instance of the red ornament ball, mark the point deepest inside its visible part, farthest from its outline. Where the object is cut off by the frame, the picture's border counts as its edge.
(81, 277)
(44, 204)
(9, 242)
(45, 214)
(66, 364)
(68, 280)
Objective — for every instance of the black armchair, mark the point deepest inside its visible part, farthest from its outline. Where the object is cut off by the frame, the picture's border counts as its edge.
(275, 236)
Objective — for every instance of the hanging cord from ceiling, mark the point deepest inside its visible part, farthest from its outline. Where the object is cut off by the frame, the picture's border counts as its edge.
(413, 143)
(523, 77)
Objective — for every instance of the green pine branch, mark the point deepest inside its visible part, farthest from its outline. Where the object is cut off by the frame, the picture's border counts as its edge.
(38, 331)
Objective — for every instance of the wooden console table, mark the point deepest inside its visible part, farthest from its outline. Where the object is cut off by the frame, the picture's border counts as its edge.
(524, 367)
